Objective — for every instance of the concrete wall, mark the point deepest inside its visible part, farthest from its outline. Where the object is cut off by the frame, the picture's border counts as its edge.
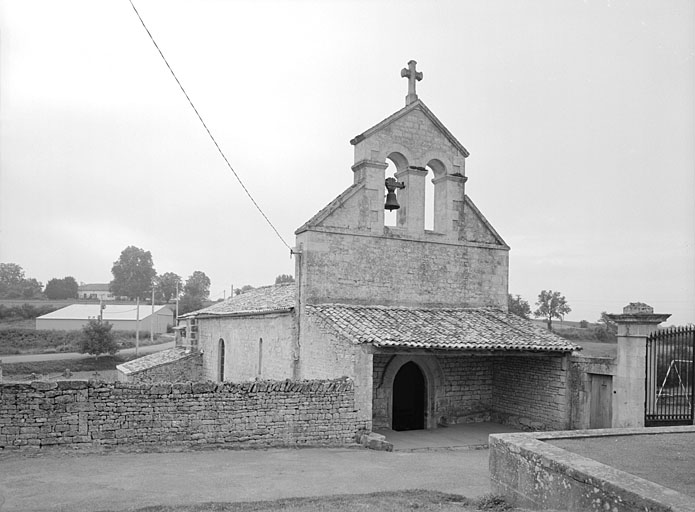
(531, 391)
(365, 269)
(246, 358)
(97, 414)
(536, 475)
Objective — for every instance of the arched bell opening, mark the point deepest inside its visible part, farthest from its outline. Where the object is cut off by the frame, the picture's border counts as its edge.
(409, 398)
(435, 197)
(395, 162)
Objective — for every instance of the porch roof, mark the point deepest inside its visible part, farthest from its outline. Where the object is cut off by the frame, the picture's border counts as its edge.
(479, 329)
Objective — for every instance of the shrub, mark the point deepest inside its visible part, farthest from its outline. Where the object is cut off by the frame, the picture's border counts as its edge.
(97, 338)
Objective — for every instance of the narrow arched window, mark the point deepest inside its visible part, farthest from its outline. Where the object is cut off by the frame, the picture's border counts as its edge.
(220, 352)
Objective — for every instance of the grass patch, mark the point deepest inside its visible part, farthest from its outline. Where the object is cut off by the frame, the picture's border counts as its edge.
(23, 340)
(87, 364)
(391, 501)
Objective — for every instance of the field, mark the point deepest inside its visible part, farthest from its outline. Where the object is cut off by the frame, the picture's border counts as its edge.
(19, 337)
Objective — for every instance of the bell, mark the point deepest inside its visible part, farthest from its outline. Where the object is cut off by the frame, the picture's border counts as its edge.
(391, 201)
(391, 186)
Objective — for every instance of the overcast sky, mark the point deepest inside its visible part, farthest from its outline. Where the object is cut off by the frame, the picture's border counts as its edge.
(579, 117)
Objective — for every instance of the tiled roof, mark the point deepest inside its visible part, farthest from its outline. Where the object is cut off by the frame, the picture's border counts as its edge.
(446, 329)
(153, 360)
(279, 297)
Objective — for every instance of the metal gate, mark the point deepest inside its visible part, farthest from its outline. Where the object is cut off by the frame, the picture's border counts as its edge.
(670, 377)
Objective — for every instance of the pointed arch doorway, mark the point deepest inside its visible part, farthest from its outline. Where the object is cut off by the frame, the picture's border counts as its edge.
(409, 398)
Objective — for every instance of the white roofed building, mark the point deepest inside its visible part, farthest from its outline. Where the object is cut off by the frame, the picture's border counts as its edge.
(122, 316)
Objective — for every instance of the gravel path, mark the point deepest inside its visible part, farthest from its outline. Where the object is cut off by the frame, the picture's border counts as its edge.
(64, 481)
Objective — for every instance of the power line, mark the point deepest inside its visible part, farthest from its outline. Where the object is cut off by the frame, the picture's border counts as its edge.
(207, 129)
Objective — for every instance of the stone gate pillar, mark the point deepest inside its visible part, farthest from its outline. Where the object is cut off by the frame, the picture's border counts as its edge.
(636, 323)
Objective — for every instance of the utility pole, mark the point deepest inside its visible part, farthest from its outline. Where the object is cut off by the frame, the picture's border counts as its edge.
(137, 325)
(152, 317)
(177, 303)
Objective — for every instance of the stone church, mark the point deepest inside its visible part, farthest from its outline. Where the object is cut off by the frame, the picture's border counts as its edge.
(417, 318)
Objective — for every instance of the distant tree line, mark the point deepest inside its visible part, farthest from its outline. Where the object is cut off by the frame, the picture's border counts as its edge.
(135, 277)
(15, 285)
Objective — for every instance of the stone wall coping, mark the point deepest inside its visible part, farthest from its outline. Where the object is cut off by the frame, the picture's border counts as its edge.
(639, 318)
(188, 387)
(581, 358)
(592, 472)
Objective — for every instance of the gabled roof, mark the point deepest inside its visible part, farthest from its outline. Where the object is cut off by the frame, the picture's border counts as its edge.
(479, 329)
(153, 360)
(324, 212)
(416, 105)
(265, 299)
(110, 313)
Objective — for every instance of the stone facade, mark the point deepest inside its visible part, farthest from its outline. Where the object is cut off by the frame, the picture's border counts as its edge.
(528, 392)
(531, 392)
(97, 414)
(255, 347)
(324, 356)
(346, 255)
(582, 381)
(400, 271)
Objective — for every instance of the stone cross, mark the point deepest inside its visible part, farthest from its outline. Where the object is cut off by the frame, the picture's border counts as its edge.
(412, 76)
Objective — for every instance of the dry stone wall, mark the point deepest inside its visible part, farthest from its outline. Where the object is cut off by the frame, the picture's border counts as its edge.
(250, 414)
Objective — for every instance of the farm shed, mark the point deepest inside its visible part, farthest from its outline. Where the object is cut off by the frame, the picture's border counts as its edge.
(122, 316)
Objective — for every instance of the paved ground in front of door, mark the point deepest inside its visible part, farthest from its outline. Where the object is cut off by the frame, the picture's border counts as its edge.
(61, 480)
(464, 436)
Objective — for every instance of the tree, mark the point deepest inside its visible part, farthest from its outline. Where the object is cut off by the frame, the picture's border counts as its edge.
(133, 273)
(197, 285)
(607, 329)
(65, 288)
(195, 291)
(243, 289)
(284, 278)
(551, 305)
(11, 274)
(30, 289)
(189, 303)
(97, 339)
(518, 306)
(13, 284)
(167, 286)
